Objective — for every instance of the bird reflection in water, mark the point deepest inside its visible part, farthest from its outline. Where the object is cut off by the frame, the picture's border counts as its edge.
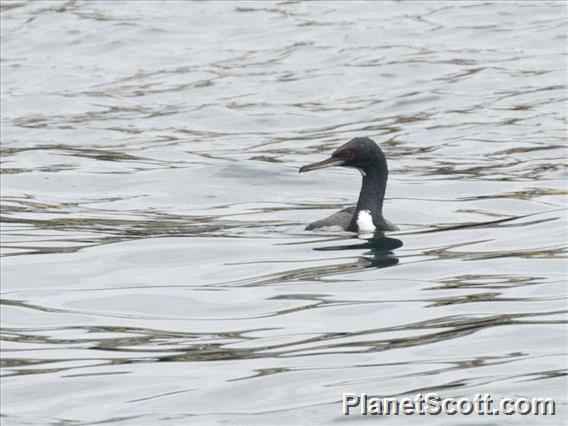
(379, 254)
(380, 248)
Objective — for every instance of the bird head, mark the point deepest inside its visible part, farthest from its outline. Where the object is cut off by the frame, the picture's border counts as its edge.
(359, 153)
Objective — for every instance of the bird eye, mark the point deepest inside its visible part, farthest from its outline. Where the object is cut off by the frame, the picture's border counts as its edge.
(345, 154)
(348, 154)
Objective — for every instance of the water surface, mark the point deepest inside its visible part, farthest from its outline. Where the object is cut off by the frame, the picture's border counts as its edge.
(155, 269)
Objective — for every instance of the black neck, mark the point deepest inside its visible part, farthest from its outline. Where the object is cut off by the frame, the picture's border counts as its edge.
(372, 194)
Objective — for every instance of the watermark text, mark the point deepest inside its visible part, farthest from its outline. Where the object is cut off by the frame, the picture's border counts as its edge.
(432, 404)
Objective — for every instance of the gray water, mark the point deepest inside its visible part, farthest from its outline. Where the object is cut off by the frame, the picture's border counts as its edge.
(155, 266)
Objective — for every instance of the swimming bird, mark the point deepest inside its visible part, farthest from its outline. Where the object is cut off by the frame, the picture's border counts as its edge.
(366, 156)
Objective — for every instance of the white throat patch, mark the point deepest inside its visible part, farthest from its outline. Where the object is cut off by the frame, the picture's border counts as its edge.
(365, 221)
(363, 173)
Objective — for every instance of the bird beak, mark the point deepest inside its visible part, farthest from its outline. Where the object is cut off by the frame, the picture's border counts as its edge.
(330, 162)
